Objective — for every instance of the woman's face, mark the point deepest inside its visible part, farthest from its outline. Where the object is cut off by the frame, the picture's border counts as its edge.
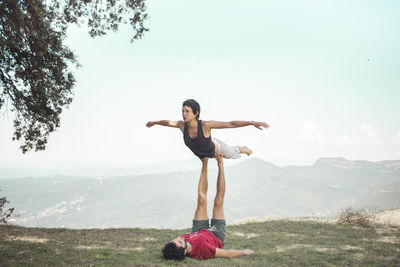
(187, 114)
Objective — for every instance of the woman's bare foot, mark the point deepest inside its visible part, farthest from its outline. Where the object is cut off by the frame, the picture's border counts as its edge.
(245, 150)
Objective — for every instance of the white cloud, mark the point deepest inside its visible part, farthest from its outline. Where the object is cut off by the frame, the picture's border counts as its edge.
(347, 141)
(310, 133)
(396, 138)
(368, 137)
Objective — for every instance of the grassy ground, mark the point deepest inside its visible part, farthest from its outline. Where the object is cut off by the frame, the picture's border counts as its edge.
(276, 243)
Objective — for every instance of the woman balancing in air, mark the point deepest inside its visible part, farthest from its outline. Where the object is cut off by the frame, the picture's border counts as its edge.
(197, 133)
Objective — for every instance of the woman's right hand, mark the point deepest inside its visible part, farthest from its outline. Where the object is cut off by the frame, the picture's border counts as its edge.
(150, 123)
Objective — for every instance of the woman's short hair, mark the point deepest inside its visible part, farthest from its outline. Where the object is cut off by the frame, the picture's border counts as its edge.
(194, 105)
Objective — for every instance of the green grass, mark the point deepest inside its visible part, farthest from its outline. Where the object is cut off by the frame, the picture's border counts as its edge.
(276, 243)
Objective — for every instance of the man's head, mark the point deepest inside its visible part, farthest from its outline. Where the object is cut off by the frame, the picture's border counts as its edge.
(193, 105)
(175, 249)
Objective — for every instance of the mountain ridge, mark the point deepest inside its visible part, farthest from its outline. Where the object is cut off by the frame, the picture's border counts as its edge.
(255, 188)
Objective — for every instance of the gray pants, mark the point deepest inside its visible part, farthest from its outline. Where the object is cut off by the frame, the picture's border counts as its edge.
(229, 152)
(218, 227)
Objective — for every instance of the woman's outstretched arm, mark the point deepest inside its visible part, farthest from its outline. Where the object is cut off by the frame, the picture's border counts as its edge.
(176, 124)
(236, 124)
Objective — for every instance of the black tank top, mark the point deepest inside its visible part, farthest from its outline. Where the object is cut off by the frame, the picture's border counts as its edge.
(200, 146)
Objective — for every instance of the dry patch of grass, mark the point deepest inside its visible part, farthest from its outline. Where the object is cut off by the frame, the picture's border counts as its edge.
(348, 247)
(251, 235)
(238, 234)
(147, 239)
(292, 235)
(359, 256)
(291, 247)
(92, 247)
(326, 250)
(105, 247)
(248, 235)
(254, 220)
(389, 239)
(300, 247)
(385, 230)
(30, 239)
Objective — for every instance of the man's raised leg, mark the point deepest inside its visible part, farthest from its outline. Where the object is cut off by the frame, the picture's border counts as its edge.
(201, 210)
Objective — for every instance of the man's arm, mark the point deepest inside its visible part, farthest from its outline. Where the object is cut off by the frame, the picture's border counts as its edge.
(176, 124)
(235, 124)
(231, 253)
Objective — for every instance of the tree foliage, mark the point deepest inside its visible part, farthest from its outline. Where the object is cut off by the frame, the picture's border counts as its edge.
(36, 82)
(4, 213)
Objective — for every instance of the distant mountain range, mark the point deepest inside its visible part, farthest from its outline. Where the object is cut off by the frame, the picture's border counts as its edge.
(255, 188)
(95, 169)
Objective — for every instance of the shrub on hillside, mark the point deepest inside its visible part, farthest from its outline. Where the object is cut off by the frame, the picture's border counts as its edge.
(359, 217)
(4, 213)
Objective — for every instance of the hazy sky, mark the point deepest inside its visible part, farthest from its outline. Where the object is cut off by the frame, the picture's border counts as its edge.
(324, 74)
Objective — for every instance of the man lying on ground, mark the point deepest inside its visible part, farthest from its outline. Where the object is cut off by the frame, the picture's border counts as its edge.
(204, 241)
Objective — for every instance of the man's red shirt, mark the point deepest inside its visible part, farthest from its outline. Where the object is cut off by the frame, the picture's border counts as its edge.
(204, 244)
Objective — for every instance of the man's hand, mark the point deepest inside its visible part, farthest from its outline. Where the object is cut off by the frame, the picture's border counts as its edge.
(259, 124)
(150, 123)
(219, 157)
(248, 252)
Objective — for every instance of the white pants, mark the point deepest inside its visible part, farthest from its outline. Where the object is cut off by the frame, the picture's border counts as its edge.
(229, 152)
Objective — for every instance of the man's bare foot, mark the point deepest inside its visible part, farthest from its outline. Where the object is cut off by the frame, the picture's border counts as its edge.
(245, 150)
